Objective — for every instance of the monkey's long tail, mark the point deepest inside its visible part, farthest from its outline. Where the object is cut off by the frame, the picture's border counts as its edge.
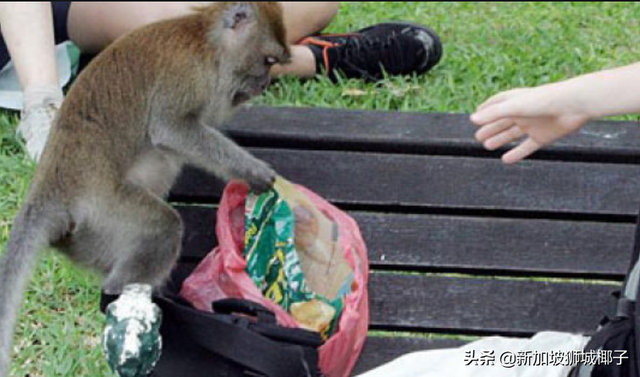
(31, 232)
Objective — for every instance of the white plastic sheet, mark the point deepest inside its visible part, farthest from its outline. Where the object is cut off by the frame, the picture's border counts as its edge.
(10, 90)
(453, 362)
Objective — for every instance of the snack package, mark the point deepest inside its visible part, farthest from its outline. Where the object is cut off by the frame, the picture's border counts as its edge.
(331, 259)
(294, 258)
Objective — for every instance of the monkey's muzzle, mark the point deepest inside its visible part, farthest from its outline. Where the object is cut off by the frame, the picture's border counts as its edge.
(255, 86)
(262, 85)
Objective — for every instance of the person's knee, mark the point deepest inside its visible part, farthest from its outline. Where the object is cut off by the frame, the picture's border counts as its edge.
(327, 12)
(94, 26)
(307, 18)
(154, 12)
(142, 14)
(304, 19)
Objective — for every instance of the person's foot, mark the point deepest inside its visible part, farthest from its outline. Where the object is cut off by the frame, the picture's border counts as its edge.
(34, 127)
(394, 48)
(41, 103)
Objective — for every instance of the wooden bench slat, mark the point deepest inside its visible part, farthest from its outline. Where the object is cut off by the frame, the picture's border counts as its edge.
(446, 182)
(485, 306)
(200, 231)
(492, 245)
(320, 128)
(464, 244)
(381, 350)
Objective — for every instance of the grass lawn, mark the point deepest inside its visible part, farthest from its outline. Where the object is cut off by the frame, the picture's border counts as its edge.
(488, 48)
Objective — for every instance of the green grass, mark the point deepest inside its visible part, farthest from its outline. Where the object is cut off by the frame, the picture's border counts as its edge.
(488, 48)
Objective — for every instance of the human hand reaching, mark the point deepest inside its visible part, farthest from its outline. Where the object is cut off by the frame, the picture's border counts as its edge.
(537, 116)
(541, 115)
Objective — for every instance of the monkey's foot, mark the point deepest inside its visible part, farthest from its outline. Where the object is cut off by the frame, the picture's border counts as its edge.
(131, 339)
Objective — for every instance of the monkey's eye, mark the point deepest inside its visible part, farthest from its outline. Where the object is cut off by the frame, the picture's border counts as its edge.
(270, 60)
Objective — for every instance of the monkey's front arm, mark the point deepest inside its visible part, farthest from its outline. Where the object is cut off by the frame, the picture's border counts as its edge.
(208, 148)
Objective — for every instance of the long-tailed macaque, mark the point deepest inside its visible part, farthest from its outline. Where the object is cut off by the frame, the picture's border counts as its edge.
(146, 106)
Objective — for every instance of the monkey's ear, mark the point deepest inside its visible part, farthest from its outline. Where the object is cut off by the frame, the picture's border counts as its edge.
(237, 16)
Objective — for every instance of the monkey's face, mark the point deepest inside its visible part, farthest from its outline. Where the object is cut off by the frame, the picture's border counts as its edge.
(253, 42)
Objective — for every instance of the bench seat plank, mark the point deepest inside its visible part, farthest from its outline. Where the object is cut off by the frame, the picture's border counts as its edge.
(471, 306)
(427, 182)
(467, 244)
(381, 350)
(405, 132)
(485, 306)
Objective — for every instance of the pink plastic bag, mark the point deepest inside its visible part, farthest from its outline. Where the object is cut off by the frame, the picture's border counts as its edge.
(222, 275)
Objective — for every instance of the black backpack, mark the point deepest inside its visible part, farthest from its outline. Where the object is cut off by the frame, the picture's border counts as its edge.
(240, 339)
(618, 336)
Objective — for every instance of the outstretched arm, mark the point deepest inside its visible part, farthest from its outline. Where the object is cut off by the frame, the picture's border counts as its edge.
(544, 114)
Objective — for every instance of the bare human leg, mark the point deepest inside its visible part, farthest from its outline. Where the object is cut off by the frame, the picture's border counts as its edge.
(95, 25)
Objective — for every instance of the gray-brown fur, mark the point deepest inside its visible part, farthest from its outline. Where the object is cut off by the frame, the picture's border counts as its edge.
(146, 106)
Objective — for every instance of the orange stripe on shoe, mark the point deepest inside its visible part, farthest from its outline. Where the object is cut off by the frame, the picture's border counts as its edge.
(325, 55)
(341, 35)
(316, 42)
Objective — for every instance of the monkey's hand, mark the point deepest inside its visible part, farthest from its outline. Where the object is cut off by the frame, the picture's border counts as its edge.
(258, 174)
(41, 105)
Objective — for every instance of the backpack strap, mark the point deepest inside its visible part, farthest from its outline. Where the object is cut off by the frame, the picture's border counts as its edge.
(629, 294)
(627, 312)
(234, 305)
(266, 323)
(631, 290)
(236, 342)
(633, 279)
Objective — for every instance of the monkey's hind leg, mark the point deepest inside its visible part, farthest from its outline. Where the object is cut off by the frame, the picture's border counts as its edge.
(146, 241)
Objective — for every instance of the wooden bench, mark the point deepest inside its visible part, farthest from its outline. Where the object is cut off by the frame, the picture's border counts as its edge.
(460, 244)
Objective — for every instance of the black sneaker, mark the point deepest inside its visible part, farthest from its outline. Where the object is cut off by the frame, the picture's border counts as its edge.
(395, 48)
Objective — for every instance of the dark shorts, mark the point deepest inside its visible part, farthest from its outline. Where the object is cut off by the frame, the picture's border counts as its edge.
(60, 17)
